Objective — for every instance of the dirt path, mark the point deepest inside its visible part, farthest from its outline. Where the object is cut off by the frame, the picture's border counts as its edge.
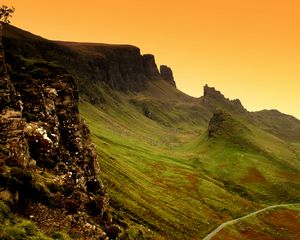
(223, 225)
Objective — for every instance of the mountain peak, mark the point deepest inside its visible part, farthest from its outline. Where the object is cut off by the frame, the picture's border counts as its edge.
(213, 96)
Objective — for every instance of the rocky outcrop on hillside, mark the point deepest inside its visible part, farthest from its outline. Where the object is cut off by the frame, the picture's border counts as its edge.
(222, 124)
(167, 74)
(212, 92)
(48, 165)
(214, 98)
(150, 67)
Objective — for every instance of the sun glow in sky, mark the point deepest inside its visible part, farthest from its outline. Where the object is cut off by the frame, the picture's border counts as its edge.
(246, 49)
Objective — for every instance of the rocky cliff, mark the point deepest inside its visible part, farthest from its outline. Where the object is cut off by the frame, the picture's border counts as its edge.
(48, 165)
(150, 67)
(167, 74)
(120, 67)
(214, 98)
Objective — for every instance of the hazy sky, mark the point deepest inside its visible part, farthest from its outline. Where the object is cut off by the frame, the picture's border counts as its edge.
(247, 49)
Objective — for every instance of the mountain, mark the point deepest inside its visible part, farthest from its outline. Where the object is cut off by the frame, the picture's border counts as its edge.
(121, 67)
(174, 166)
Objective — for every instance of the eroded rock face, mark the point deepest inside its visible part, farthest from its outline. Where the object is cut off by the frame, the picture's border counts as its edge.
(121, 67)
(12, 136)
(212, 96)
(150, 67)
(43, 140)
(167, 74)
(212, 92)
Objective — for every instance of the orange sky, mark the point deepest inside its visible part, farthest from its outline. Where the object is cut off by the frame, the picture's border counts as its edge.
(247, 49)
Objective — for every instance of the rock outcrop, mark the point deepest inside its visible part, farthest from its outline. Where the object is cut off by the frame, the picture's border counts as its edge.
(213, 97)
(150, 67)
(224, 125)
(167, 74)
(212, 92)
(48, 165)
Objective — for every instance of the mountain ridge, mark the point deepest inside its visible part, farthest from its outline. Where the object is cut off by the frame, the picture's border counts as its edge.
(122, 67)
(11, 32)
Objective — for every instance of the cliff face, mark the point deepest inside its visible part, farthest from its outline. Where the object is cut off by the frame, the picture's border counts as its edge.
(150, 67)
(121, 67)
(214, 98)
(167, 74)
(48, 165)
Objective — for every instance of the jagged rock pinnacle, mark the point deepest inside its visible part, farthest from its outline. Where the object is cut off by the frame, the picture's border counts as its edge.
(150, 68)
(167, 74)
(212, 92)
(213, 95)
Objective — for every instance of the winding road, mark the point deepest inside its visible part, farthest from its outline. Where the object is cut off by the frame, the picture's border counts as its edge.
(223, 225)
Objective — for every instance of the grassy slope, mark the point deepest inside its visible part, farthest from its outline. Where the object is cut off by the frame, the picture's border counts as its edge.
(275, 224)
(167, 176)
(255, 164)
(162, 190)
(15, 227)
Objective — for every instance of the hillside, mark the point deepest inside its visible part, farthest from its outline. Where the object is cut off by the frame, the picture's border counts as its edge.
(282, 223)
(174, 166)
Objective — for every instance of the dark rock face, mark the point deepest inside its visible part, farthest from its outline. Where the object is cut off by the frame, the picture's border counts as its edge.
(167, 74)
(121, 67)
(150, 67)
(212, 92)
(212, 97)
(43, 139)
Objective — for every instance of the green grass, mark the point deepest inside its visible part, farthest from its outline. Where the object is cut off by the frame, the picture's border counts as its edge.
(14, 227)
(162, 190)
(278, 223)
(169, 181)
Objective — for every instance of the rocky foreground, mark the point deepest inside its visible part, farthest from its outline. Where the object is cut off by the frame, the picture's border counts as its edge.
(48, 166)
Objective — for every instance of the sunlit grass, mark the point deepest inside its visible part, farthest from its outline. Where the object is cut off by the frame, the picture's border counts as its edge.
(178, 183)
